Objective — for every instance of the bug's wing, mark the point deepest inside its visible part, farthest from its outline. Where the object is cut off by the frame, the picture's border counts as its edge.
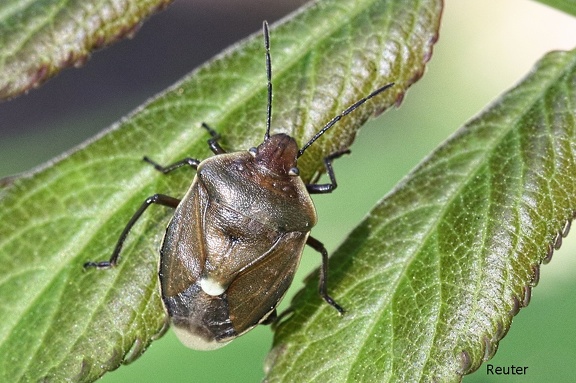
(182, 256)
(200, 321)
(257, 290)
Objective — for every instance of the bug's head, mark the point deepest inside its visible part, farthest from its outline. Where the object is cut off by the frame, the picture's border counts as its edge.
(277, 153)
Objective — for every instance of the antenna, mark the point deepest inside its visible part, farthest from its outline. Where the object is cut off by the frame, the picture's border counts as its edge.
(350, 109)
(269, 77)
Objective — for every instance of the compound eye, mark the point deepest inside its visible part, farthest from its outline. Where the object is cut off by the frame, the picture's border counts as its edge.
(294, 172)
(253, 151)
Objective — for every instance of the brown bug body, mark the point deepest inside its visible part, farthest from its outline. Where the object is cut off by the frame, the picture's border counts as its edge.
(259, 220)
(235, 240)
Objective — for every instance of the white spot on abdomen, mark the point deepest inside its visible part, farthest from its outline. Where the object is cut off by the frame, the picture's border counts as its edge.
(211, 287)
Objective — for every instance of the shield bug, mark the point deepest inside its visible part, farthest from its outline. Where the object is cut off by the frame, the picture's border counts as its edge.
(234, 242)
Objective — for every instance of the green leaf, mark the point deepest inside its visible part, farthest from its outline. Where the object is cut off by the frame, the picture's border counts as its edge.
(59, 322)
(433, 276)
(40, 37)
(568, 6)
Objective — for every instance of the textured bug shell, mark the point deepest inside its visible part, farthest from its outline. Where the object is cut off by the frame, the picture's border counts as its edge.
(231, 249)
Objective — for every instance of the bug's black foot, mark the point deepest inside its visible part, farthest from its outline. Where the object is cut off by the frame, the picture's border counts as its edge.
(99, 265)
(333, 303)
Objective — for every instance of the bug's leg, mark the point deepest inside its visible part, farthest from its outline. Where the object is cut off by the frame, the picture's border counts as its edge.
(280, 317)
(323, 288)
(271, 318)
(193, 162)
(327, 188)
(158, 199)
(213, 141)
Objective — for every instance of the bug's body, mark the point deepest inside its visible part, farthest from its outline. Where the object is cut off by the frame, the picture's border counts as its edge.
(225, 267)
(233, 245)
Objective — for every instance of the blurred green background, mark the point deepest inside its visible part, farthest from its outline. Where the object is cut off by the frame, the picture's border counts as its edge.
(484, 48)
